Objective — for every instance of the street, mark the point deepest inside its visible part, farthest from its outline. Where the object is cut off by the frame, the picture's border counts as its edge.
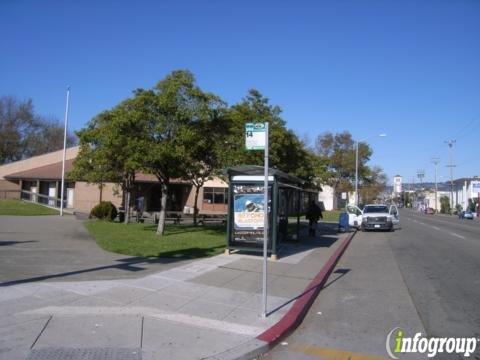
(422, 278)
(439, 258)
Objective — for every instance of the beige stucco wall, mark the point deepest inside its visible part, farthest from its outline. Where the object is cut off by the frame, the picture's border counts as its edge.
(215, 182)
(37, 161)
(88, 195)
(9, 189)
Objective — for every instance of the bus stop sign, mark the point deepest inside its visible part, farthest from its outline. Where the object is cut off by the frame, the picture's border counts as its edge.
(255, 136)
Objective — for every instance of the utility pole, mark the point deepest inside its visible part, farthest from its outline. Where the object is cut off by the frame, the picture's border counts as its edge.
(451, 166)
(435, 161)
(420, 175)
(414, 192)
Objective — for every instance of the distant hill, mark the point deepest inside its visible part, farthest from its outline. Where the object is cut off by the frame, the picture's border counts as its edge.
(418, 186)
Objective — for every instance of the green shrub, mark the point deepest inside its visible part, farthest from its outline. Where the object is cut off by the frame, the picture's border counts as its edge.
(104, 211)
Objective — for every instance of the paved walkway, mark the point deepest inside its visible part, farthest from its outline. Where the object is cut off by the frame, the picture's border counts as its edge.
(192, 311)
(53, 248)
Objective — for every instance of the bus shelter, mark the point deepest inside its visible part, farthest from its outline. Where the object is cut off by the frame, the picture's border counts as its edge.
(288, 201)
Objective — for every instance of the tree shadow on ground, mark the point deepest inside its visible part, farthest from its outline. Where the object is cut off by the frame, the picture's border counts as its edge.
(182, 229)
(9, 243)
(319, 287)
(131, 264)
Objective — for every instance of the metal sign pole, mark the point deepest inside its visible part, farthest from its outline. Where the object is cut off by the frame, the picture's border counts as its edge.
(64, 152)
(265, 227)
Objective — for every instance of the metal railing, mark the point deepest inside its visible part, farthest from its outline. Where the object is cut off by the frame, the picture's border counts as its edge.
(44, 200)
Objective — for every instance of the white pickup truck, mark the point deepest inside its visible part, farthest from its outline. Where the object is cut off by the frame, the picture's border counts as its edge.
(373, 217)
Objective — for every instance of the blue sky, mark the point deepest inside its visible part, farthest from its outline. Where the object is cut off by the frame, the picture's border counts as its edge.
(410, 69)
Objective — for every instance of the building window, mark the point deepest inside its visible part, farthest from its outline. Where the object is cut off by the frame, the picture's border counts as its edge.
(215, 195)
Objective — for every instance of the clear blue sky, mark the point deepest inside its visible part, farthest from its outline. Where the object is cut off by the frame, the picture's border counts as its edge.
(410, 69)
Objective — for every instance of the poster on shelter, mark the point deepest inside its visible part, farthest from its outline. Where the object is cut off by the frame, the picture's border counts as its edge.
(248, 215)
(249, 211)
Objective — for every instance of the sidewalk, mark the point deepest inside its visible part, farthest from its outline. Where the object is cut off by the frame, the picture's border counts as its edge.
(207, 308)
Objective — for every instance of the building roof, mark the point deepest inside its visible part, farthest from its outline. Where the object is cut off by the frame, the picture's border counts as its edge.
(46, 172)
(462, 180)
(259, 170)
(141, 177)
(54, 172)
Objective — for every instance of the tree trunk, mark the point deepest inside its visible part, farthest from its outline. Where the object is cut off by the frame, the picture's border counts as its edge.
(163, 208)
(127, 207)
(195, 206)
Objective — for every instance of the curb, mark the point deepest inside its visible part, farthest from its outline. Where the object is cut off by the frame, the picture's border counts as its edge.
(290, 321)
(295, 315)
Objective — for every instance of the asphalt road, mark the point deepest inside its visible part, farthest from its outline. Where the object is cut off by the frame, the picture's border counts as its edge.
(424, 277)
(439, 258)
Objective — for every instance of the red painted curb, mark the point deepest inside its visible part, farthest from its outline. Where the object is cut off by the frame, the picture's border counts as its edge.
(295, 315)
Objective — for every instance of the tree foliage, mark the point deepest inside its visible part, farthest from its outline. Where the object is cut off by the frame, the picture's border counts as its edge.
(286, 150)
(112, 148)
(338, 152)
(374, 183)
(444, 205)
(23, 133)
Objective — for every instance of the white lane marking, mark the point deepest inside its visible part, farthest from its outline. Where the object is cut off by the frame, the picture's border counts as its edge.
(459, 236)
(436, 228)
(185, 319)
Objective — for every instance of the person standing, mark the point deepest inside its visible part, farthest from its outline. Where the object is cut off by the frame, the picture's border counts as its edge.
(314, 213)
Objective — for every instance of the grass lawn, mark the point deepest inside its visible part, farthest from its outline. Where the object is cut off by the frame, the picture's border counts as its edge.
(332, 215)
(17, 207)
(179, 241)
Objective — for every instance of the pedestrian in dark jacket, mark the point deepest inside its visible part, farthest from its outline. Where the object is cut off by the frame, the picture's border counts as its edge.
(314, 213)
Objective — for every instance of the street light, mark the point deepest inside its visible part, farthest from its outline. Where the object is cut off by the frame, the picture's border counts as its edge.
(356, 164)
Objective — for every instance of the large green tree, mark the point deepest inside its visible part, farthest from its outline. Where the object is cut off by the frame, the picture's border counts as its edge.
(338, 151)
(173, 111)
(205, 144)
(373, 184)
(112, 148)
(286, 150)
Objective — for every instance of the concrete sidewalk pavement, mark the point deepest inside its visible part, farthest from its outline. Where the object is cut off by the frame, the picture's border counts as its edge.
(206, 308)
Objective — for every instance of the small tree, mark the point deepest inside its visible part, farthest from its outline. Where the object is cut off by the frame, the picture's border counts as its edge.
(339, 152)
(472, 205)
(112, 148)
(444, 205)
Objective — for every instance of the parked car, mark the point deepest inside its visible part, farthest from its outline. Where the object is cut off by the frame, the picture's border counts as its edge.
(466, 215)
(373, 217)
(430, 211)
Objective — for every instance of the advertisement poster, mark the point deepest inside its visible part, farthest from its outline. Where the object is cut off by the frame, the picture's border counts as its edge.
(248, 211)
(248, 215)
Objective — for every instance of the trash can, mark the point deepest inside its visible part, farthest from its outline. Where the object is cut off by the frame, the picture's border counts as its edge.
(343, 222)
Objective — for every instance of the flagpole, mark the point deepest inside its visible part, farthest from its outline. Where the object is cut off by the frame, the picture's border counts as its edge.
(64, 152)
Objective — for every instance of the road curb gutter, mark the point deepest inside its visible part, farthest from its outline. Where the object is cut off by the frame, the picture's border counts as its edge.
(297, 312)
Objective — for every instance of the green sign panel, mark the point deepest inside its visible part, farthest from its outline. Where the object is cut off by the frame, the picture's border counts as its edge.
(255, 136)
